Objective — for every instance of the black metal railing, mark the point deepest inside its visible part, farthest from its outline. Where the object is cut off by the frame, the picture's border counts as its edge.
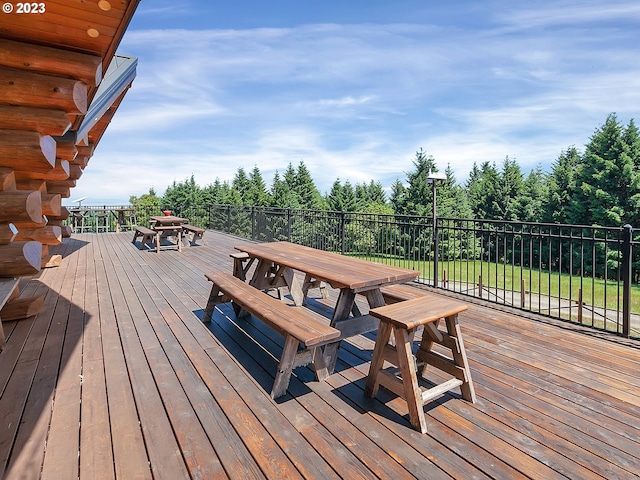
(587, 275)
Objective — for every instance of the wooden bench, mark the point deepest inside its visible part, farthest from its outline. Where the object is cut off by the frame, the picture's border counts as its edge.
(401, 292)
(402, 319)
(298, 325)
(148, 236)
(241, 264)
(192, 233)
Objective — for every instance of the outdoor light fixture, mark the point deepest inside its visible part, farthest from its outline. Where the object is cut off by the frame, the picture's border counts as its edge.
(433, 178)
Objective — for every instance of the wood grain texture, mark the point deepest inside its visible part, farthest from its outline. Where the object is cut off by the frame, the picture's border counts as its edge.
(554, 400)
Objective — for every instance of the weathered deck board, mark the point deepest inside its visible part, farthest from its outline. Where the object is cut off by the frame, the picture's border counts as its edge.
(118, 378)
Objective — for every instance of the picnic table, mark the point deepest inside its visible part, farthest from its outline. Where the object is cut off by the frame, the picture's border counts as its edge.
(123, 216)
(277, 262)
(168, 226)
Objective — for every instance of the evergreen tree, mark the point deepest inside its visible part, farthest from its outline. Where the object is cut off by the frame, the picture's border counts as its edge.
(375, 193)
(606, 180)
(419, 195)
(281, 194)
(483, 189)
(335, 200)
(531, 201)
(361, 197)
(451, 198)
(181, 195)
(560, 187)
(242, 185)
(349, 199)
(290, 177)
(398, 197)
(510, 193)
(306, 191)
(256, 194)
(212, 194)
(631, 138)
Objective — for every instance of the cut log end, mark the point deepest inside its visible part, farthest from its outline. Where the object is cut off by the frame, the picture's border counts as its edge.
(80, 97)
(20, 258)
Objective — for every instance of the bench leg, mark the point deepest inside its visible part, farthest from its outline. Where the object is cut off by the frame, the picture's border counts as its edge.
(211, 304)
(412, 391)
(285, 367)
(377, 360)
(460, 359)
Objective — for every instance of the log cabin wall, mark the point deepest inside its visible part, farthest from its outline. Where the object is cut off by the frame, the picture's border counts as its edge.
(51, 65)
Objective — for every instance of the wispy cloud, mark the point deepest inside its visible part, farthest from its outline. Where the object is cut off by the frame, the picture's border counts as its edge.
(356, 101)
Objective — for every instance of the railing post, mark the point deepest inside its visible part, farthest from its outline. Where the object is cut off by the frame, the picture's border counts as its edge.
(289, 224)
(342, 233)
(253, 222)
(627, 234)
(228, 218)
(435, 249)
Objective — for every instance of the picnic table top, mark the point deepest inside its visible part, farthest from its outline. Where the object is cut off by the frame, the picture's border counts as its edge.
(339, 271)
(168, 220)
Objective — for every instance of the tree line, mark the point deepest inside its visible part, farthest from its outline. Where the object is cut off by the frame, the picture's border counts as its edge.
(600, 186)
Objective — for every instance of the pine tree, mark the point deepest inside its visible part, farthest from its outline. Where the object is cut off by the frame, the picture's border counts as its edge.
(257, 194)
(419, 194)
(451, 201)
(398, 197)
(281, 194)
(375, 193)
(606, 179)
(561, 186)
(350, 201)
(531, 201)
(212, 194)
(181, 195)
(483, 188)
(306, 191)
(241, 184)
(335, 200)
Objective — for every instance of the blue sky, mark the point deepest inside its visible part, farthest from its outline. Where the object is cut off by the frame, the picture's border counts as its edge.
(354, 88)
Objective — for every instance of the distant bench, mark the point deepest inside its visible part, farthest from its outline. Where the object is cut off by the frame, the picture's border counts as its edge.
(297, 324)
(192, 233)
(148, 236)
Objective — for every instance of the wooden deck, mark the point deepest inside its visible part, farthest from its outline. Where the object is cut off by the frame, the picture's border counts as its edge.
(118, 378)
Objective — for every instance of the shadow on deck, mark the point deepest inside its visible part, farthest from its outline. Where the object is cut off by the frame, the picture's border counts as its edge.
(118, 378)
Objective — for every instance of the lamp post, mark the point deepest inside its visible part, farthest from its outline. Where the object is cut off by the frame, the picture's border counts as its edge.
(433, 178)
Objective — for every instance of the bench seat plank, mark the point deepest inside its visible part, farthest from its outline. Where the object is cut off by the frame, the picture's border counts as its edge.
(401, 292)
(148, 236)
(192, 233)
(296, 324)
(287, 319)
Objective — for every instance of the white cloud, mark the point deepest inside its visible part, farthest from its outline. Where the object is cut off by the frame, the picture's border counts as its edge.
(357, 101)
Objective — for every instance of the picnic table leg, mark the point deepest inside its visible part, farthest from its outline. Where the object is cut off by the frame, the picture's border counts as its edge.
(346, 299)
(319, 365)
(295, 287)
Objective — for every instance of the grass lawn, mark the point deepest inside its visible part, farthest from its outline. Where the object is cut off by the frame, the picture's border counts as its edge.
(595, 292)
